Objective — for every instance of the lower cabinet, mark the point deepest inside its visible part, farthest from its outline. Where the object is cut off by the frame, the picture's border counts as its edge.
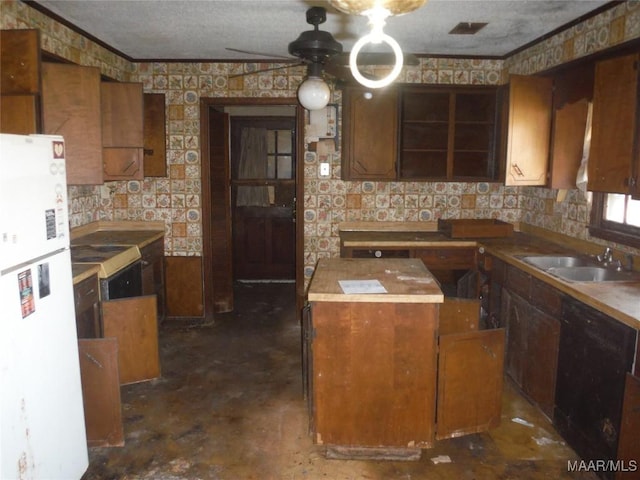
(400, 375)
(532, 349)
(101, 391)
(574, 362)
(596, 352)
(529, 311)
(87, 303)
(153, 277)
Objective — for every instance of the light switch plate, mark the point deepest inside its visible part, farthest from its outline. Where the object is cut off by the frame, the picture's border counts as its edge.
(325, 169)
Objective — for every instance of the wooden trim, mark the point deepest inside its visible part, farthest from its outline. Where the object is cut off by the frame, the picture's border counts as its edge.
(205, 104)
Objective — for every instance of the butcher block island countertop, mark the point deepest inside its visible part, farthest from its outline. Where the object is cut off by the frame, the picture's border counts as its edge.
(370, 358)
(405, 281)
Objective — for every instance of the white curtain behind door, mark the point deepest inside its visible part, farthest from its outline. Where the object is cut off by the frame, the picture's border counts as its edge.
(253, 165)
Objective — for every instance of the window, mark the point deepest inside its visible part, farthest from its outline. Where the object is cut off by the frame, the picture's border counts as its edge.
(616, 217)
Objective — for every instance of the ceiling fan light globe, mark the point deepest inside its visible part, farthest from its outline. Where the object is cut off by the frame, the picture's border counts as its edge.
(314, 93)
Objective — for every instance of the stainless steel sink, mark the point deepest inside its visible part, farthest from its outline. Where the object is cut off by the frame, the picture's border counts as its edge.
(545, 262)
(592, 274)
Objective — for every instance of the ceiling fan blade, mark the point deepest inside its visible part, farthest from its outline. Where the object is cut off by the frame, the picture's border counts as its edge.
(374, 58)
(262, 54)
(244, 74)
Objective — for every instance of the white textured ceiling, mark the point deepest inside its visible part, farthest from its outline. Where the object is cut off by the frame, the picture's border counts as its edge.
(204, 29)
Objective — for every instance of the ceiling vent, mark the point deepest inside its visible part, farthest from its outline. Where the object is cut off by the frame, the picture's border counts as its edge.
(467, 28)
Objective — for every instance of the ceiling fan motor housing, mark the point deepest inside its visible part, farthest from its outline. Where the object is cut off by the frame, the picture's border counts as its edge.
(315, 45)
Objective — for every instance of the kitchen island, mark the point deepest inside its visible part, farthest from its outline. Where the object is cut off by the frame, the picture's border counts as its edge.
(371, 357)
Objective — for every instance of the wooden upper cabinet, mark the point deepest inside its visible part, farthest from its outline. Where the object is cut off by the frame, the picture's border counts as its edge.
(20, 82)
(19, 62)
(71, 107)
(613, 162)
(155, 150)
(19, 114)
(122, 130)
(529, 130)
(369, 133)
(448, 133)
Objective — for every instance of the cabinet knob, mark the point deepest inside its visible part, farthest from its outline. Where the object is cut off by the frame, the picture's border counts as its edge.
(377, 254)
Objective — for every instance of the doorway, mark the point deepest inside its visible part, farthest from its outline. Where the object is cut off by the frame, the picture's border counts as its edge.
(256, 230)
(263, 197)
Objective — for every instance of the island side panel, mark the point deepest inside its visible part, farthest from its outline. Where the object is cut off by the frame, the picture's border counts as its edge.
(374, 373)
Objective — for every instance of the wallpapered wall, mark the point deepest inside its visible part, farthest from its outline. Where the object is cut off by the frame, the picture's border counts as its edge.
(327, 202)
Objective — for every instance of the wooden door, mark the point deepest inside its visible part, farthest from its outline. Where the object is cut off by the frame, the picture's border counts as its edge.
(628, 444)
(264, 199)
(219, 261)
(133, 322)
(374, 374)
(71, 108)
(20, 61)
(541, 359)
(101, 392)
(530, 105)
(370, 131)
(19, 114)
(470, 376)
(470, 371)
(614, 127)
(155, 149)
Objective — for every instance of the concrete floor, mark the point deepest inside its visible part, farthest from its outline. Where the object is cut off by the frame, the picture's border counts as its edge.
(229, 406)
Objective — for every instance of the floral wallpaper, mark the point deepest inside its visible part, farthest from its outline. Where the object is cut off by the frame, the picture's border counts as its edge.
(176, 199)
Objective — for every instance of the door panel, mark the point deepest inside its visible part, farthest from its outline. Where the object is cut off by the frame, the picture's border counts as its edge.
(263, 197)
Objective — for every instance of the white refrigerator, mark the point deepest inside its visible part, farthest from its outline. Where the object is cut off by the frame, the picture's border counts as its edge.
(42, 431)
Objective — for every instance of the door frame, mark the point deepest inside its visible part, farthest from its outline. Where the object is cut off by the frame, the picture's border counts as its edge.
(207, 103)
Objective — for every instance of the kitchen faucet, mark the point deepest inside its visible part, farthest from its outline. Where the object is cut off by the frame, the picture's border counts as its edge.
(606, 257)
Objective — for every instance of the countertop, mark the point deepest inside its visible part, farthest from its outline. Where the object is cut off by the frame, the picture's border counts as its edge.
(139, 234)
(620, 300)
(405, 281)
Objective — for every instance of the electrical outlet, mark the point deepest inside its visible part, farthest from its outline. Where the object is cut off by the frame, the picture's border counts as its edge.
(325, 169)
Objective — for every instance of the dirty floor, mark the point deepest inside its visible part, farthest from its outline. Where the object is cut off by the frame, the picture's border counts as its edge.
(229, 406)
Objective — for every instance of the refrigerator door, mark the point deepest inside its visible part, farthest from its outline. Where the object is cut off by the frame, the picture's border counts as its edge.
(33, 198)
(41, 411)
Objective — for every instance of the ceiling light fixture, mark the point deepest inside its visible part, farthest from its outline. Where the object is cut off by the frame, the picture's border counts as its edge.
(314, 93)
(377, 12)
(314, 47)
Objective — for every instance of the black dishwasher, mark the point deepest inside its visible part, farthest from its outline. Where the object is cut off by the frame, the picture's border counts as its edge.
(595, 353)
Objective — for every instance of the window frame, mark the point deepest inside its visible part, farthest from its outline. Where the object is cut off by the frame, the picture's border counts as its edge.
(612, 231)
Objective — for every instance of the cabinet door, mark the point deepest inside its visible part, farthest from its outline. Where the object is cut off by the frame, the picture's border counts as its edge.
(628, 445)
(101, 392)
(470, 375)
(614, 126)
(569, 128)
(133, 321)
(369, 130)
(155, 157)
(374, 380)
(87, 302)
(71, 108)
(529, 130)
(595, 354)
(19, 114)
(122, 163)
(122, 114)
(513, 313)
(540, 363)
(19, 62)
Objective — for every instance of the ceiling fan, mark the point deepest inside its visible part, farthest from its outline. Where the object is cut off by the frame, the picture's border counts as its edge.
(322, 53)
